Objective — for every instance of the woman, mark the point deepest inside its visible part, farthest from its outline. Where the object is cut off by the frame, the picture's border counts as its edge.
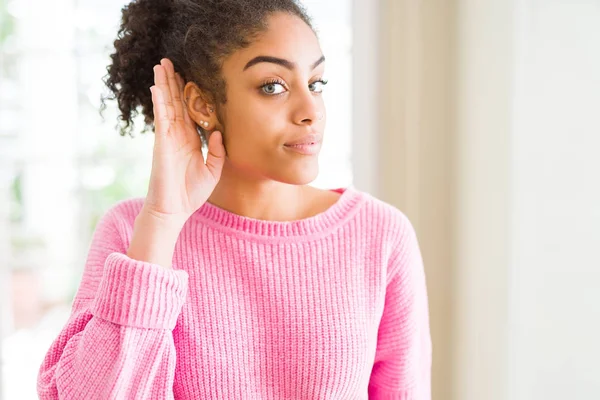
(234, 279)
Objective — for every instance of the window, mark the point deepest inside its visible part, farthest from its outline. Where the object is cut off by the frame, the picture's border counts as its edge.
(62, 165)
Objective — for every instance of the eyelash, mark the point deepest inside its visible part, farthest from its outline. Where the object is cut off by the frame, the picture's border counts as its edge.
(280, 82)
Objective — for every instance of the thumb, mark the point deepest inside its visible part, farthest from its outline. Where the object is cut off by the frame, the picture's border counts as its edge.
(216, 154)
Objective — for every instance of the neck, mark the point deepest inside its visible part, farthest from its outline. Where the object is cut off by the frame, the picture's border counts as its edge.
(260, 199)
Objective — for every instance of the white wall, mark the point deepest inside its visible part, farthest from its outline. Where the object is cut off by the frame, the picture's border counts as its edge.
(366, 101)
(411, 162)
(489, 139)
(555, 218)
(482, 191)
(527, 220)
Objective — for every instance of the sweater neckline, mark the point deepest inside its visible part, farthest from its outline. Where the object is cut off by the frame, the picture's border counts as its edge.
(310, 227)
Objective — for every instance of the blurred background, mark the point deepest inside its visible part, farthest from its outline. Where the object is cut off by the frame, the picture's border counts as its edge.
(480, 119)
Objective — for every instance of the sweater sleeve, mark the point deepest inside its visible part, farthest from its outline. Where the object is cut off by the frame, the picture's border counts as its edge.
(117, 342)
(402, 366)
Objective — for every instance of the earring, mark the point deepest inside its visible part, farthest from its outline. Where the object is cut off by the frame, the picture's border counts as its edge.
(211, 110)
(204, 123)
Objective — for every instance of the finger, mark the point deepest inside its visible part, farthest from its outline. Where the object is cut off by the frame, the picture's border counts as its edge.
(160, 79)
(173, 89)
(161, 119)
(216, 154)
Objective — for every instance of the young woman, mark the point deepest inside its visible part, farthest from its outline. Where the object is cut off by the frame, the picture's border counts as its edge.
(233, 278)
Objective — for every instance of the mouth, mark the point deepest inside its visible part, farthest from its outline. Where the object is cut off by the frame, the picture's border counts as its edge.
(308, 148)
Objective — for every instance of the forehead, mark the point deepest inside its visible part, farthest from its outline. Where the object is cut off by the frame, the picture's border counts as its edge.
(287, 37)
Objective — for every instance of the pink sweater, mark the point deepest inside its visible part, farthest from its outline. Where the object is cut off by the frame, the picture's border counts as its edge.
(329, 307)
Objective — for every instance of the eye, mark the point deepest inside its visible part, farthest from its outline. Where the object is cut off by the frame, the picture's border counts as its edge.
(270, 88)
(320, 85)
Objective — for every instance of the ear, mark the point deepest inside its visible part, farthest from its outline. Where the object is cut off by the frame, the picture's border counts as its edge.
(199, 110)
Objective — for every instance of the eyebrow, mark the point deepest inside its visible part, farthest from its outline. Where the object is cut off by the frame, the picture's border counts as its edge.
(279, 61)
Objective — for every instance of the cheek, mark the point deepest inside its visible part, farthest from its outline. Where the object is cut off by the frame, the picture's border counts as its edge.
(254, 139)
(257, 125)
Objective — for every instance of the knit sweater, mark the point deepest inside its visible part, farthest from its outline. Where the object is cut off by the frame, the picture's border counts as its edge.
(333, 306)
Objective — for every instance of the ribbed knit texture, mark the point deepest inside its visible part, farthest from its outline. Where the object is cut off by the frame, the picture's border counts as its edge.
(329, 307)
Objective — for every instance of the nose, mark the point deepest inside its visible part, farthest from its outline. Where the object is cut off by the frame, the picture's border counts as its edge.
(309, 108)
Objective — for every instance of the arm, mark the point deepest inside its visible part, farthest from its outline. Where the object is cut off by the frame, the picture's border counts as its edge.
(118, 340)
(402, 367)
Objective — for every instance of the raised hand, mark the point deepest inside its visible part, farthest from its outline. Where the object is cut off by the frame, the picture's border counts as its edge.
(180, 181)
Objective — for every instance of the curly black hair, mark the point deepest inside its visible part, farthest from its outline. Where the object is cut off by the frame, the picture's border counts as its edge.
(196, 35)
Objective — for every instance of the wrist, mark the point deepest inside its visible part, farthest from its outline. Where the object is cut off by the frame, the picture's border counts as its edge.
(154, 238)
(165, 221)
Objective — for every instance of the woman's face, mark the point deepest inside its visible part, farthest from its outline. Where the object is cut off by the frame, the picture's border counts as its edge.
(273, 101)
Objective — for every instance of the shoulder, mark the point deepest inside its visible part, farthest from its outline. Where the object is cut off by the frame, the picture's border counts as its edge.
(126, 209)
(386, 227)
(111, 234)
(120, 217)
(385, 217)
(398, 238)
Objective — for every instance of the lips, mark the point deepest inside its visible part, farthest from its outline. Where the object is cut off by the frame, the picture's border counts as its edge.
(305, 140)
(306, 149)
